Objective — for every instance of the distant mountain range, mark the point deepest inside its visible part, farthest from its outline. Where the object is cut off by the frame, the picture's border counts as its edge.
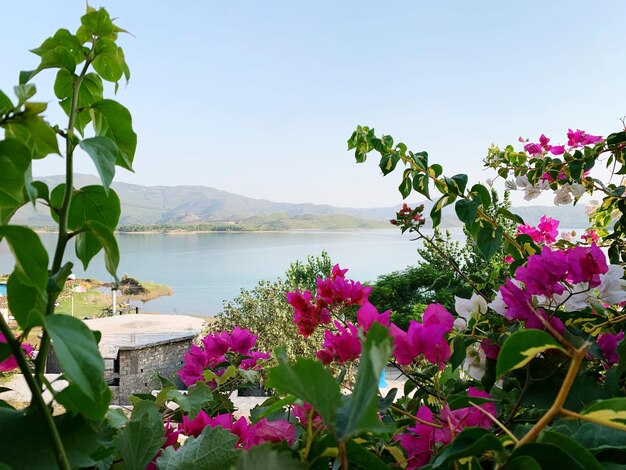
(163, 206)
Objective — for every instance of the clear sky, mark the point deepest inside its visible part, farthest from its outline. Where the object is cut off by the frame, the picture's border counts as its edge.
(259, 97)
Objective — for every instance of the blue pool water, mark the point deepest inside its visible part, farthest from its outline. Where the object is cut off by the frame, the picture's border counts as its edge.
(3, 289)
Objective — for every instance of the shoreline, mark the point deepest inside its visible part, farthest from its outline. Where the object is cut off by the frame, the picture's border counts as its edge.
(195, 232)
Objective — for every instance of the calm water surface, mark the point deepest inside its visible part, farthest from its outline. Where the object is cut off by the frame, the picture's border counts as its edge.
(206, 268)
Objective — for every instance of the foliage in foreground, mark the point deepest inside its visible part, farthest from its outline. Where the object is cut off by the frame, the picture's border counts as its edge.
(531, 377)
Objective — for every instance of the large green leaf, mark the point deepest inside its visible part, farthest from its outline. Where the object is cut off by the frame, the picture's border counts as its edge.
(62, 38)
(113, 120)
(213, 448)
(5, 103)
(14, 161)
(140, 440)
(489, 241)
(59, 57)
(90, 91)
(103, 152)
(108, 62)
(466, 211)
(28, 304)
(190, 403)
(611, 411)
(308, 380)
(548, 456)
(360, 411)
(89, 203)
(521, 347)
(265, 456)
(361, 458)
(77, 351)
(470, 442)
(98, 23)
(596, 437)
(582, 456)
(26, 443)
(36, 134)
(75, 400)
(31, 258)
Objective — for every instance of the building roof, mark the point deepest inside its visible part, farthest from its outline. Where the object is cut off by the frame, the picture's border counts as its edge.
(139, 331)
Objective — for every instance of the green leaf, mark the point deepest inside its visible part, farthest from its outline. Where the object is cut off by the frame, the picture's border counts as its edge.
(98, 23)
(582, 456)
(521, 347)
(460, 182)
(611, 411)
(596, 437)
(489, 241)
(466, 211)
(36, 134)
(509, 215)
(20, 428)
(113, 120)
(360, 457)
(108, 62)
(190, 403)
(103, 152)
(77, 351)
(470, 442)
(24, 91)
(621, 352)
(14, 161)
(105, 237)
(140, 440)
(213, 448)
(90, 91)
(405, 187)
(62, 38)
(75, 401)
(523, 462)
(27, 304)
(116, 418)
(5, 104)
(270, 406)
(548, 456)
(420, 183)
(485, 195)
(360, 412)
(89, 203)
(265, 456)
(309, 381)
(31, 258)
(60, 57)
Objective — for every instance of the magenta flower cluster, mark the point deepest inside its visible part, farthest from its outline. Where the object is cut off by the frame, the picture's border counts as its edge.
(575, 139)
(548, 274)
(332, 292)
(11, 362)
(430, 431)
(427, 339)
(545, 232)
(219, 348)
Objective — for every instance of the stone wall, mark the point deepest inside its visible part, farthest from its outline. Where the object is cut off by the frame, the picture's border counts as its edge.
(137, 367)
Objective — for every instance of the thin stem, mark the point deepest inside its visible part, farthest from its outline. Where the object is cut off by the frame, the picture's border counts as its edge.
(518, 403)
(38, 400)
(40, 363)
(496, 421)
(617, 319)
(557, 406)
(343, 455)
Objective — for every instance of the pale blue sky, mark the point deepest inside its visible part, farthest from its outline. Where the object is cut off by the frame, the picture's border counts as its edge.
(258, 98)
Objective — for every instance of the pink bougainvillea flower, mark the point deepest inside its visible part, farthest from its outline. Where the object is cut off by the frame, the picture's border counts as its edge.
(436, 314)
(535, 323)
(491, 349)
(546, 231)
(544, 142)
(368, 314)
(11, 362)
(255, 358)
(590, 235)
(306, 315)
(338, 272)
(216, 344)
(342, 346)
(544, 272)
(270, 431)
(196, 360)
(557, 149)
(433, 344)
(581, 138)
(241, 341)
(533, 149)
(302, 412)
(508, 259)
(586, 264)
(171, 438)
(194, 427)
(608, 343)
(517, 301)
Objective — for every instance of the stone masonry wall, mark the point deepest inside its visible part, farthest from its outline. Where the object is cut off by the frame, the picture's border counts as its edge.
(137, 367)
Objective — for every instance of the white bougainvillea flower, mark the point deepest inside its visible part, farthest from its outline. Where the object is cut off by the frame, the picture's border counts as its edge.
(497, 304)
(475, 363)
(612, 289)
(467, 309)
(592, 207)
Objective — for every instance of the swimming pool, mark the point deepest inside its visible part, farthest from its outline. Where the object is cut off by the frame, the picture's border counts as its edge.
(3, 289)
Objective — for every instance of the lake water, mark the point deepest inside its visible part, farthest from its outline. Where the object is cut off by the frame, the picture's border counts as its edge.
(205, 269)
